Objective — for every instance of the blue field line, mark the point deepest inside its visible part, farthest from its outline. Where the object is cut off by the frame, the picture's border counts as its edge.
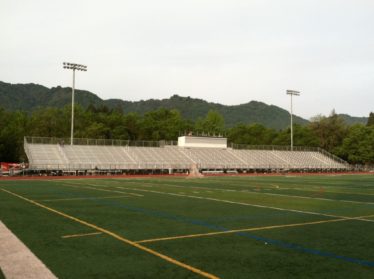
(183, 219)
(300, 248)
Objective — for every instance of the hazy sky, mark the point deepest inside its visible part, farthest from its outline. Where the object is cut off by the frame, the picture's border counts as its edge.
(229, 51)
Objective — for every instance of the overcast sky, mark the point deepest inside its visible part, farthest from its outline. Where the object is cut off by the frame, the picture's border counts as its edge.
(224, 51)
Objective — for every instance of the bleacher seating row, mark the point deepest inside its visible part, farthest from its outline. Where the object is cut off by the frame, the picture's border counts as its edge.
(90, 157)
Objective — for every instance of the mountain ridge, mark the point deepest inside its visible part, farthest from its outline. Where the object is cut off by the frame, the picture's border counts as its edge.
(29, 97)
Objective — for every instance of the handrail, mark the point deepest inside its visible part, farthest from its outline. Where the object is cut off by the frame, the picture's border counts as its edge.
(105, 142)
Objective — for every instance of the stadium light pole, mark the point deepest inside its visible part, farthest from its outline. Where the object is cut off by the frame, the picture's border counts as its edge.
(74, 67)
(292, 93)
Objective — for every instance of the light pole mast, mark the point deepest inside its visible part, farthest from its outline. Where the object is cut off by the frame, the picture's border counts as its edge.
(292, 93)
(78, 67)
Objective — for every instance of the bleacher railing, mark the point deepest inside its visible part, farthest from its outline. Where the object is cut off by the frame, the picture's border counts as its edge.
(100, 142)
(288, 148)
(274, 147)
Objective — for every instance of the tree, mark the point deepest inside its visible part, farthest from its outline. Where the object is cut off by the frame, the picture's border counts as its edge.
(213, 123)
(132, 129)
(13, 130)
(302, 136)
(358, 146)
(97, 131)
(371, 119)
(255, 134)
(330, 131)
(162, 124)
(355, 144)
(50, 122)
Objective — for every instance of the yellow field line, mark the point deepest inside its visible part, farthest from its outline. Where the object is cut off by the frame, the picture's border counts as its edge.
(79, 199)
(249, 229)
(118, 237)
(80, 235)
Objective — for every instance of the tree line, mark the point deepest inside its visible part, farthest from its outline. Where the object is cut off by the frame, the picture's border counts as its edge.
(352, 143)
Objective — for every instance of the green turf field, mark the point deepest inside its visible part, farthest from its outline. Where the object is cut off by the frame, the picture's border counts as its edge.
(225, 227)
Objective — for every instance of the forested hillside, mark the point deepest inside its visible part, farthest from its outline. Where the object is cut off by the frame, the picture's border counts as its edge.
(353, 143)
(29, 97)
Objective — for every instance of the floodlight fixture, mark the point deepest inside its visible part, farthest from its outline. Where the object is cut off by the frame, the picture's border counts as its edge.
(292, 93)
(74, 67)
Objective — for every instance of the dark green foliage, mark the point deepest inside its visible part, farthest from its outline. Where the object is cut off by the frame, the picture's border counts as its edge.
(370, 119)
(30, 97)
(162, 124)
(302, 136)
(353, 143)
(352, 120)
(166, 120)
(254, 134)
(12, 130)
(330, 131)
(358, 146)
(213, 123)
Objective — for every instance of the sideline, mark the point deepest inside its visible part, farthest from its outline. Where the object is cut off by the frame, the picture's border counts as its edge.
(17, 261)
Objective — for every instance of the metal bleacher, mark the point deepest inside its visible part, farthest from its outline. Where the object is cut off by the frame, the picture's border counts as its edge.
(163, 157)
(44, 154)
(98, 157)
(213, 158)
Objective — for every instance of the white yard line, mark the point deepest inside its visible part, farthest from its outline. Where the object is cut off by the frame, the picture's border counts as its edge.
(247, 204)
(269, 194)
(17, 261)
(81, 186)
(304, 197)
(83, 199)
(234, 202)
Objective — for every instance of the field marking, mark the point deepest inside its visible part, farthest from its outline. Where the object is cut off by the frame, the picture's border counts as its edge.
(245, 183)
(242, 185)
(118, 237)
(16, 259)
(80, 235)
(88, 198)
(305, 197)
(249, 204)
(256, 191)
(218, 200)
(328, 191)
(81, 186)
(249, 229)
